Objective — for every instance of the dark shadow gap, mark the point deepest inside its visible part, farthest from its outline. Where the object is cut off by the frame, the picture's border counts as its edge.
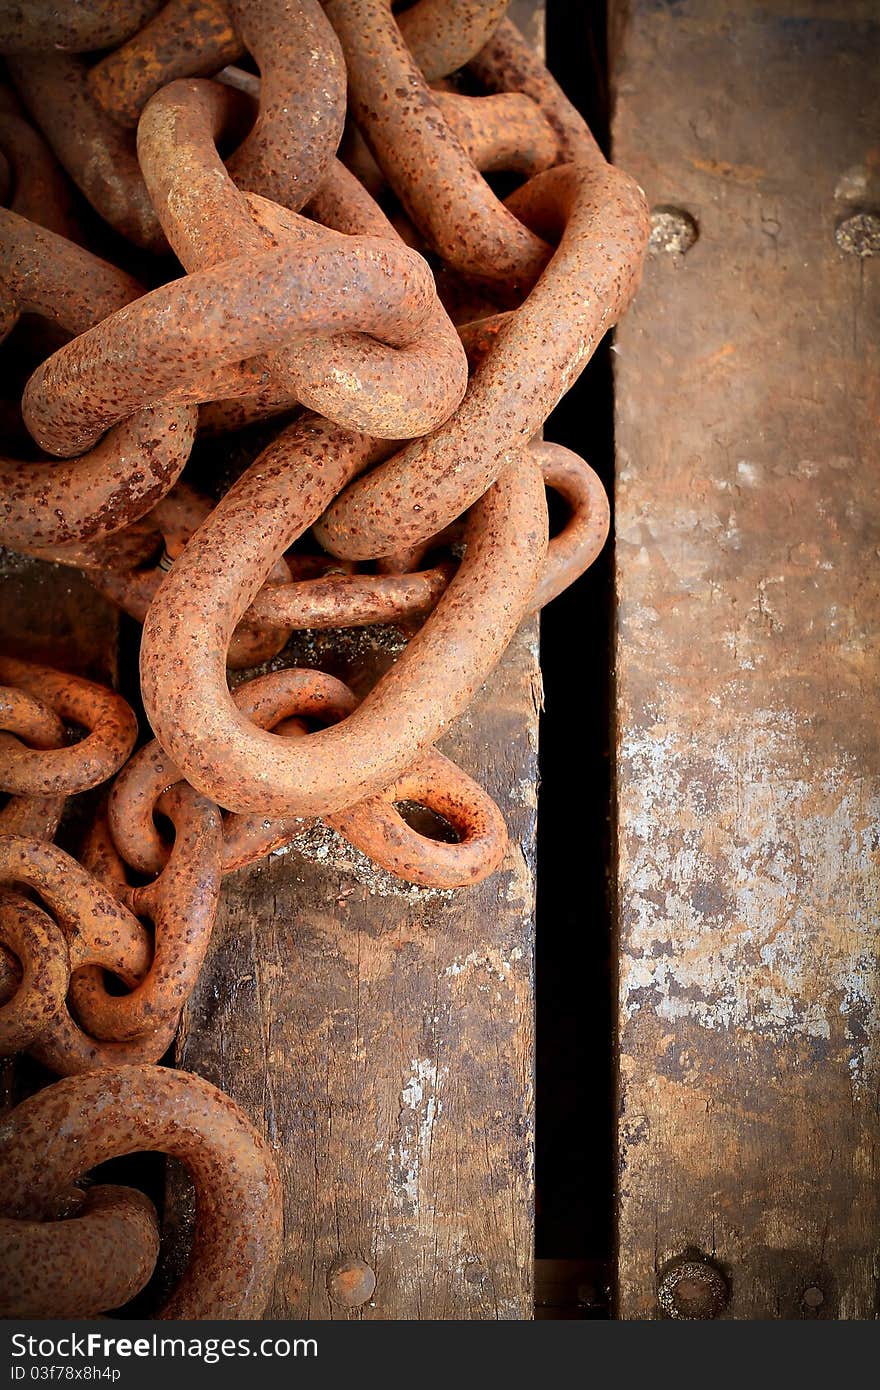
(575, 968)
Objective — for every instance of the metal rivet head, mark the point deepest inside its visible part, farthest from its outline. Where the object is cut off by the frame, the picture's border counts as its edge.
(350, 1281)
(859, 235)
(813, 1296)
(692, 1289)
(672, 230)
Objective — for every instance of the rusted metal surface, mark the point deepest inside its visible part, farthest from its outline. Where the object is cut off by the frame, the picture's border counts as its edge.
(540, 350)
(506, 132)
(442, 191)
(47, 768)
(247, 769)
(377, 828)
(443, 35)
(281, 701)
(165, 345)
(187, 38)
(30, 1000)
(747, 696)
(508, 63)
(87, 25)
(45, 505)
(45, 273)
(182, 904)
(97, 153)
(58, 1135)
(574, 548)
(36, 186)
(98, 930)
(398, 389)
(398, 1085)
(286, 154)
(77, 1268)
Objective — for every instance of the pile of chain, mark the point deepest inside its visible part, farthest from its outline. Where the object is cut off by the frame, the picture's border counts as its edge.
(398, 245)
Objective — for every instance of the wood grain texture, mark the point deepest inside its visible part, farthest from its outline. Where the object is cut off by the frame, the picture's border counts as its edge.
(748, 531)
(381, 1035)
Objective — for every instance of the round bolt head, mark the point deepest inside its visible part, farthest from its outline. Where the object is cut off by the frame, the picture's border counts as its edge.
(692, 1289)
(350, 1282)
(673, 231)
(813, 1296)
(859, 235)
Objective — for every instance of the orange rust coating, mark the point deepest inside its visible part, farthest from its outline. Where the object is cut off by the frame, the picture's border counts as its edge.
(63, 1046)
(187, 38)
(47, 274)
(38, 725)
(39, 188)
(506, 132)
(52, 770)
(98, 931)
(341, 600)
(44, 505)
(98, 928)
(134, 545)
(30, 719)
(182, 903)
(266, 700)
(351, 600)
(161, 345)
(79, 27)
(175, 518)
(97, 153)
(317, 600)
(94, 1261)
(86, 500)
(508, 63)
(375, 826)
(584, 534)
(539, 351)
(50, 1034)
(443, 35)
(29, 1002)
(55, 1137)
(183, 675)
(36, 817)
(422, 158)
(395, 390)
(286, 155)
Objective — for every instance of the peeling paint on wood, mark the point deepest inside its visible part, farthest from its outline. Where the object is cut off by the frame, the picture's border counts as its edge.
(748, 531)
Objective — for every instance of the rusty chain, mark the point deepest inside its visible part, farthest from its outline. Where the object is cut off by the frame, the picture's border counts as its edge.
(350, 283)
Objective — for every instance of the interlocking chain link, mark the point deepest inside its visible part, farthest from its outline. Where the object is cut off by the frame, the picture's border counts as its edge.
(351, 283)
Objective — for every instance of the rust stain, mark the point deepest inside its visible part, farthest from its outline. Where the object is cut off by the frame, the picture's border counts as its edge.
(723, 169)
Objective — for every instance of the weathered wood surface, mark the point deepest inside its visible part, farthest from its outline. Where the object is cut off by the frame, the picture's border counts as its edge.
(381, 1034)
(51, 613)
(748, 531)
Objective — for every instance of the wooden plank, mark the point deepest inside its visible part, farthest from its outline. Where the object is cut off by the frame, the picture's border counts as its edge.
(381, 1034)
(51, 613)
(748, 529)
